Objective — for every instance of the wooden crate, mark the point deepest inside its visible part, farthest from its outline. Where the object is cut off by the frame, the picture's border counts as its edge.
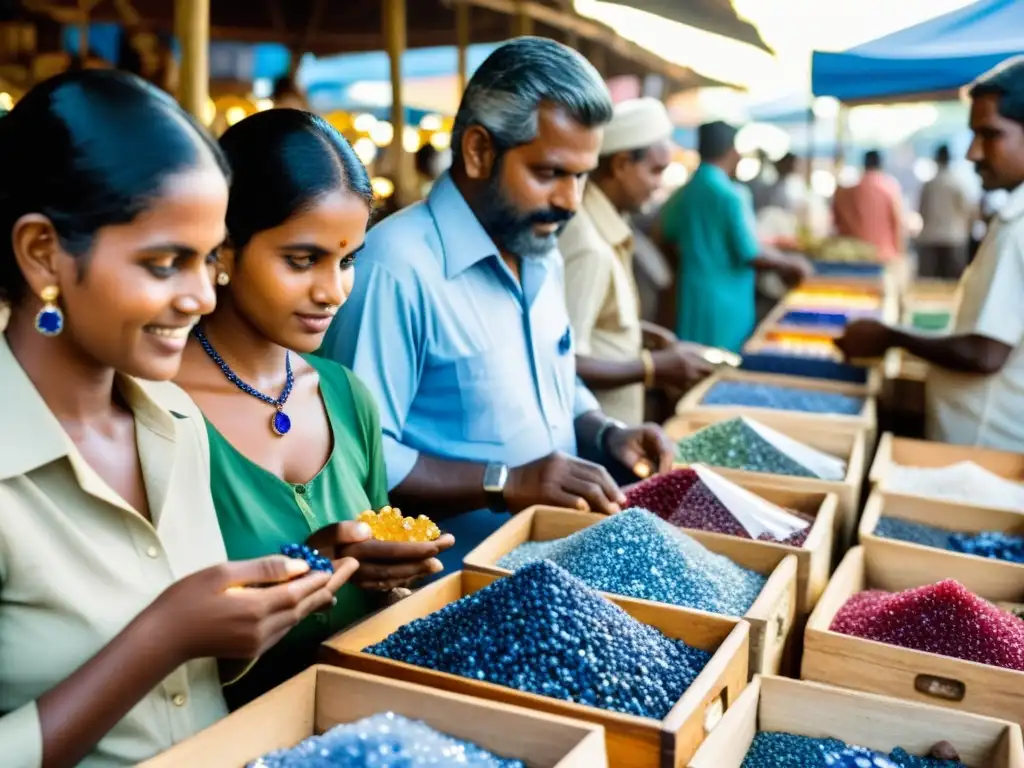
(997, 580)
(632, 742)
(322, 697)
(850, 446)
(867, 420)
(903, 451)
(770, 617)
(865, 665)
(861, 719)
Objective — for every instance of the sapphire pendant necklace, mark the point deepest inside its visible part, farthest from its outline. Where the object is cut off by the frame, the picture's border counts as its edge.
(280, 424)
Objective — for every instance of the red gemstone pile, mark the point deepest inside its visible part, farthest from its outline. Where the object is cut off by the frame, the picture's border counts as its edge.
(679, 497)
(943, 618)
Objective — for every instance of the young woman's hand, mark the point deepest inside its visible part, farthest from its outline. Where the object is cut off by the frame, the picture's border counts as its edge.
(383, 565)
(238, 610)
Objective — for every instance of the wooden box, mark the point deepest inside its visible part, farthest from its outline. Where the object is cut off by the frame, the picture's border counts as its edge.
(770, 617)
(865, 665)
(903, 451)
(997, 580)
(632, 742)
(861, 719)
(322, 697)
(849, 445)
(866, 420)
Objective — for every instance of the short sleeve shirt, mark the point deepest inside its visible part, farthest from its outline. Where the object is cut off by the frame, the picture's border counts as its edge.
(973, 409)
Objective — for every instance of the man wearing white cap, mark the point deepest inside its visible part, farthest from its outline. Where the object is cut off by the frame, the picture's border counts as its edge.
(601, 292)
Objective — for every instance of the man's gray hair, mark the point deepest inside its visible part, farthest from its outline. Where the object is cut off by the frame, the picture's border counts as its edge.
(505, 93)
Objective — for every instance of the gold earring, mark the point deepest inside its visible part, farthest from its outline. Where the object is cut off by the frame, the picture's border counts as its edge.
(50, 319)
(223, 278)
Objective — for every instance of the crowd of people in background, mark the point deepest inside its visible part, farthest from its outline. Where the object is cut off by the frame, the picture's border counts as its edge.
(210, 352)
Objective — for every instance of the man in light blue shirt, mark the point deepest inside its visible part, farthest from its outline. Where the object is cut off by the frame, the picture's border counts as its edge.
(457, 320)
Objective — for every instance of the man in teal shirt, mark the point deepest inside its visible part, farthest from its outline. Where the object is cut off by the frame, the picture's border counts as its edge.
(708, 227)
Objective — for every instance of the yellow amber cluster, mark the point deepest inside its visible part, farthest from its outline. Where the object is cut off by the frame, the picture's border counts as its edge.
(390, 525)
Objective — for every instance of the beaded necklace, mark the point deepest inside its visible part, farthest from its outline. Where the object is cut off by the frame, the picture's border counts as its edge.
(280, 424)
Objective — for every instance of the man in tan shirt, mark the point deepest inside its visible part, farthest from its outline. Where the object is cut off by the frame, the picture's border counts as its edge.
(601, 292)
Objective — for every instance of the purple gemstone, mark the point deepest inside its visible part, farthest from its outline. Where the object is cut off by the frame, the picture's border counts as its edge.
(281, 424)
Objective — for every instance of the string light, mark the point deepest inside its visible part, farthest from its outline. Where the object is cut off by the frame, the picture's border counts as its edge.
(382, 133)
(411, 139)
(364, 123)
(365, 150)
(383, 188)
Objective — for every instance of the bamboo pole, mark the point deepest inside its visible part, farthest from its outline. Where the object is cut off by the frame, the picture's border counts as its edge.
(192, 28)
(462, 36)
(395, 27)
(522, 21)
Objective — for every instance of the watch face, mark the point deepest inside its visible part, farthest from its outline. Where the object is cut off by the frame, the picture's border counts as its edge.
(494, 477)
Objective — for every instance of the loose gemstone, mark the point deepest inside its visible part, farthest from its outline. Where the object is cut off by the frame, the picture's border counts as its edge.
(994, 545)
(964, 482)
(543, 631)
(773, 749)
(681, 498)
(636, 554)
(313, 558)
(734, 444)
(943, 618)
(755, 395)
(384, 740)
(390, 525)
(281, 423)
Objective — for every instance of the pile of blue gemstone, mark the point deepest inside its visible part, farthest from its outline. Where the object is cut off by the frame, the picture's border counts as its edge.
(384, 740)
(313, 558)
(543, 631)
(993, 545)
(772, 749)
(754, 395)
(637, 554)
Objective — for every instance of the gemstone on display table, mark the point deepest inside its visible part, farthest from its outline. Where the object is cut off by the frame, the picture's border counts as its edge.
(680, 498)
(384, 740)
(542, 630)
(755, 395)
(965, 482)
(994, 545)
(734, 444)
(943, 618)
(280, 423)
(313, 558)
(636, 554)
(773, 749)
(390, 525)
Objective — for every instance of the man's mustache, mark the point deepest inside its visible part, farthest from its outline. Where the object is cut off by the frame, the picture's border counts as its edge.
(550, 216)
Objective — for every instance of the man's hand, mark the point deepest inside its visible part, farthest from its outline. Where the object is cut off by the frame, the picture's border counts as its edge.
(794, 268)
(680, 365)
(865, 339)
(563, 481)
(645, 449)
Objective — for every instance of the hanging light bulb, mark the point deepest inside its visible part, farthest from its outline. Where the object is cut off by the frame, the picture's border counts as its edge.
(365, 150)
(382, 133)
(411, 139)
(234, 114)
(383, 188)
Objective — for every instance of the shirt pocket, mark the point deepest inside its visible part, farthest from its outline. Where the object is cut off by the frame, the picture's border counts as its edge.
(495, 389)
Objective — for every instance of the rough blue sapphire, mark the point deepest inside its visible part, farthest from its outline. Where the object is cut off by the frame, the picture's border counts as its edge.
(313, 558)
(281, 424)
(50, 321)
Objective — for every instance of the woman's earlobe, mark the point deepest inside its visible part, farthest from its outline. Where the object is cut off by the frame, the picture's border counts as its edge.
(36, 250)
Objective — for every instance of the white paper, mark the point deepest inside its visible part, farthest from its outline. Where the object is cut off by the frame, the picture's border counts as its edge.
(756, 515)
(821, 464)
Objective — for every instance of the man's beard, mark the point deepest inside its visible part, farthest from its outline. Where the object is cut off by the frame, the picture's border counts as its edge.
(511, 229)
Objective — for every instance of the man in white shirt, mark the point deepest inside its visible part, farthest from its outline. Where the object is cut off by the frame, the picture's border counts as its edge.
(975, 390)
(946, 212)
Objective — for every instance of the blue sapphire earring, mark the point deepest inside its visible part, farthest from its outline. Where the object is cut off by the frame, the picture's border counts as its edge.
(50, 320)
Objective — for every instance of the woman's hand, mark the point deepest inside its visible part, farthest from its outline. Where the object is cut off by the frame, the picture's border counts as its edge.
(383, 565)
(238, 610)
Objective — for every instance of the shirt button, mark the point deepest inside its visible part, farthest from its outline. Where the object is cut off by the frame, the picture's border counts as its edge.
(179, 700)
(300, 489)
(153, 552)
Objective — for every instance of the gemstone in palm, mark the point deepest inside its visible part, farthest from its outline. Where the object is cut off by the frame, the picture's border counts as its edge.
(390, 525)
(313, 558)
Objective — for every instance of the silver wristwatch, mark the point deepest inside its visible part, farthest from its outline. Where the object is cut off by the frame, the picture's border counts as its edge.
(495, 477)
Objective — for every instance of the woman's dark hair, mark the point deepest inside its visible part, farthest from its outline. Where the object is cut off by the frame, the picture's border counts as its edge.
(90, 149)
(283, 161)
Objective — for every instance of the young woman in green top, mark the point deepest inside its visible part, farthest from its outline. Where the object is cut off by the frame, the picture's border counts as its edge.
(295, 442)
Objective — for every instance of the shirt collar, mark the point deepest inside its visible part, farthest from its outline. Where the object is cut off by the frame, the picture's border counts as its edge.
(463, 239)
(607, 220)
(42, 440)
(1013, 208)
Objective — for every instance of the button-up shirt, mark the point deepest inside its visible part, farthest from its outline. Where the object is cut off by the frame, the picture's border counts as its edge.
(601, 295)
(973, 409)
(466, 362)
(77, 564)
(871, 211)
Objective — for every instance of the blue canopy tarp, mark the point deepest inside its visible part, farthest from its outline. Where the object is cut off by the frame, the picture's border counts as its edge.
(932, 59)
